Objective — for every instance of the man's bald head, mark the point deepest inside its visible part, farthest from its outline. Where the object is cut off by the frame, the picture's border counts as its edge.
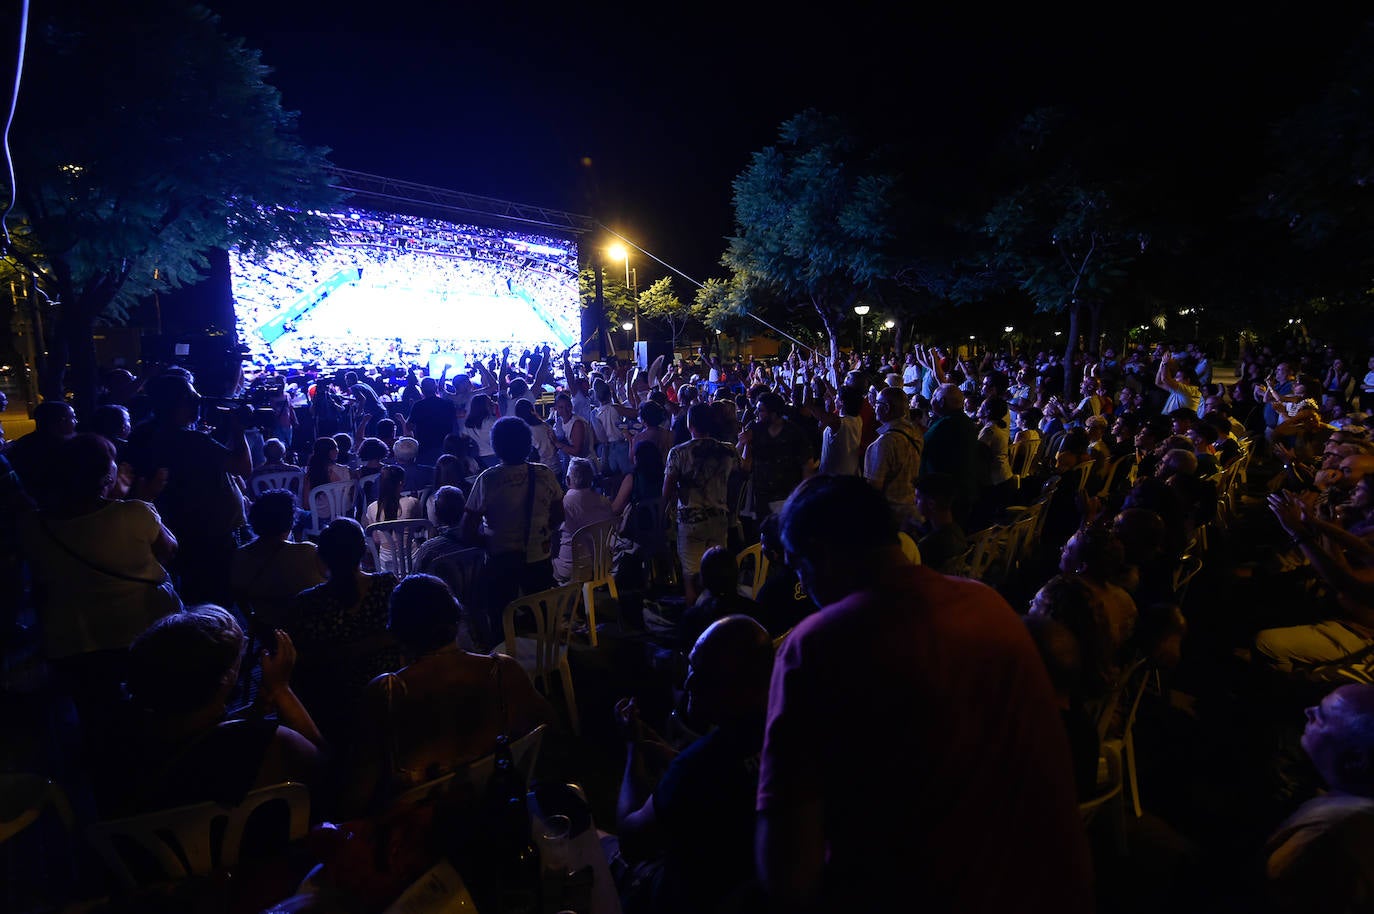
(948, 399)
(1356, 467)
(892, 404)
(731, 667)
(1339, 739)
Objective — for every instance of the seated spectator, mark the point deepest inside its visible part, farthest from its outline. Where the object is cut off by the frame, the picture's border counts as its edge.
(582, 505)
(178, 743)
(1148, 570)
(372, 454)
(270, 570)
(274, 457)
(449, 470)
(1068, 599)
(688, 839)
(390, 505)
(95, 565)
(339, 628)
(1063, 655)
(346, 457)
(405, 452)
(1322, 857)
(1096, 555)
(1345, 638)
(782, 600)
(323, 467)
(444, 707)
(940, 538)
(719, 596)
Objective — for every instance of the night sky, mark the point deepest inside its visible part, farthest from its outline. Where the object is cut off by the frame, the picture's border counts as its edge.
(669, 102)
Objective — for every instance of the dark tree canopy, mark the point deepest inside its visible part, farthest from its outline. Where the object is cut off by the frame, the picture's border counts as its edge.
(141, 143)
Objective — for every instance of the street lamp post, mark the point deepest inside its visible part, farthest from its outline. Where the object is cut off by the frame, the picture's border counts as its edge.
(627, 327)
(861, 310)
(620, 252)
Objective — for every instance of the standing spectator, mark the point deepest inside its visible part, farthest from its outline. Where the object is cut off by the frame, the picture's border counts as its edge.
(478, 425)
(200, 502)
(845, 827)
(514, 510)
(545, 443)
(893, 461)
(696, 481)
(840, 454)
(431, 418)
(952, 447)
(775, 452)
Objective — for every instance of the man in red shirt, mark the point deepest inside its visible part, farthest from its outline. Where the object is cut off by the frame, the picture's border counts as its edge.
(913, 752)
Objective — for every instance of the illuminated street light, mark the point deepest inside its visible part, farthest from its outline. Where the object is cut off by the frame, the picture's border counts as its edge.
(861, 310)
(620, 252)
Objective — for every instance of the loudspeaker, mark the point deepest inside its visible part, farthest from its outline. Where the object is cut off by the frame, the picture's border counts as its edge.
(648, 350)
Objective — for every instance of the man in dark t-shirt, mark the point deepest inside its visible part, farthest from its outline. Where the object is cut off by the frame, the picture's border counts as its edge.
(431, 418)
(689, 841)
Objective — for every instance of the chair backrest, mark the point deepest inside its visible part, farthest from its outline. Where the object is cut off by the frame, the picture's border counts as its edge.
(753, 564)
(1113, 477)
(1077, 477)
(1129, 687)
(987, 544)
(402, 537)
(265, 481)
(462, 572)
(472, 778)
(593, 547)
(547, 617)
(326, 502)
(1049, 449)
(1187, 569)
(193, 840)
(1110, 782)
(1022, 456)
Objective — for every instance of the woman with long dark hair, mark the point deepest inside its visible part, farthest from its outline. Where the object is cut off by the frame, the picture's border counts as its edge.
(323, 466)
(477, 426)
(390, 505)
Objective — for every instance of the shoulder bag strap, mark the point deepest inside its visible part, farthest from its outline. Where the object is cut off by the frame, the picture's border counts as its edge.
(529, 508)
(89, 564)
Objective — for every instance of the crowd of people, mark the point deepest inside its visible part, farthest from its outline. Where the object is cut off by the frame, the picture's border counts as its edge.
(872, 717)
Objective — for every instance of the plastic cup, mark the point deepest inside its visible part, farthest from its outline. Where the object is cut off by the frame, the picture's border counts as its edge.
(554, 843)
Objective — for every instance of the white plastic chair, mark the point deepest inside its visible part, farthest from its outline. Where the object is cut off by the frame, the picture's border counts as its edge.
(265, 481)
(194, 840)
(326, 502)
(593, 549)
(402, 537)
(546, 617)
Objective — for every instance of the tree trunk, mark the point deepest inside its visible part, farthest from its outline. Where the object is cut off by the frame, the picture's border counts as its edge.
(1095, 339)
(1070, 384)
(899, 342)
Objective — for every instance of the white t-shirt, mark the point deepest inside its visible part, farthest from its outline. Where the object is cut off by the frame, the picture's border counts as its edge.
(482, 435)
(840, 454)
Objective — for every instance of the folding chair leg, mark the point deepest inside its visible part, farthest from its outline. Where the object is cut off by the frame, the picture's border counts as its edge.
(1128, 757)
(589, 603)
(569, 699)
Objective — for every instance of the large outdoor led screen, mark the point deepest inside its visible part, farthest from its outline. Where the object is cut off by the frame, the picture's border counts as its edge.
(395, 289)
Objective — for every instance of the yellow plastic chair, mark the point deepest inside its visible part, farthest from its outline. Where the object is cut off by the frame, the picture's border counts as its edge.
(537, 630)
(194, 840)
(751, 560)
(593, 549)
